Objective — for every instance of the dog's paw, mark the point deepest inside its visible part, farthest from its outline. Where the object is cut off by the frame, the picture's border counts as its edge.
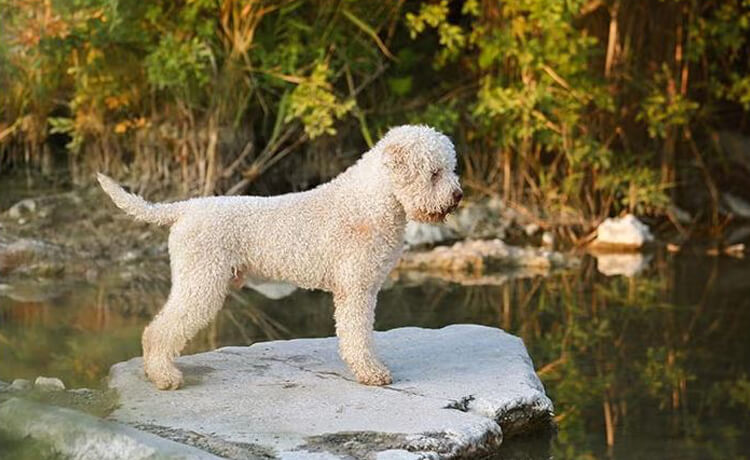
(376, 376)
(165, 377)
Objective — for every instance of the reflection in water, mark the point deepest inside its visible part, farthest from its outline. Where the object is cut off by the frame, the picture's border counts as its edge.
(644, 367)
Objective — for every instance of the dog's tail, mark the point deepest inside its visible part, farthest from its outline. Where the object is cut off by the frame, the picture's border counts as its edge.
(155, 213)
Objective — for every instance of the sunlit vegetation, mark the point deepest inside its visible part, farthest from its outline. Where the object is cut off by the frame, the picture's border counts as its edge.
(570, 110)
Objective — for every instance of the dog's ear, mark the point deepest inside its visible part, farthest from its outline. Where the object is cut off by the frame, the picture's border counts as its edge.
(394, 154)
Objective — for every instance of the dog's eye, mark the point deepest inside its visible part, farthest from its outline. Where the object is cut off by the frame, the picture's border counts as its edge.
(435, 175)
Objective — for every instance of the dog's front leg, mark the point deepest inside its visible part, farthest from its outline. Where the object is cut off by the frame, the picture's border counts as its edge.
(355, 317)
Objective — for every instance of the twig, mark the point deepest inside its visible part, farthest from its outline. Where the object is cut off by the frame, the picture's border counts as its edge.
(249, 147)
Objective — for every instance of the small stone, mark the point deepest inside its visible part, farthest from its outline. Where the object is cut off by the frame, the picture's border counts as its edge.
(397, 454)
(737, 205)
(531, 229)
(22, 208)
(680, 214)
(20, 385)
(735, 250)
(82, 391)
(625, 232)
(128, 256)
(548, 239)
(422, 234)
(48, 384)
(738, 235)
(92, 274)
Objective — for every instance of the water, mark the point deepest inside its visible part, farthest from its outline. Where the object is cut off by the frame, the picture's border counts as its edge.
(656, 366)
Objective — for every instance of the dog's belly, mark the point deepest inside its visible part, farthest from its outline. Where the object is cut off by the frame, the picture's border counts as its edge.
(287, 255)
(287, 238)
(304, 270)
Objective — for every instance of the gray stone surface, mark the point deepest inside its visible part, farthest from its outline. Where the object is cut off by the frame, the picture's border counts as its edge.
(20, 385)
(80, 436)
(419, 234)
(737, 205)
(485, 219)
(456, 391)
(481, 220)
(22, 208)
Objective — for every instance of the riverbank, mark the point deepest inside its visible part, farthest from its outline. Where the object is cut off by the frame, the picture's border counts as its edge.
(80, 234)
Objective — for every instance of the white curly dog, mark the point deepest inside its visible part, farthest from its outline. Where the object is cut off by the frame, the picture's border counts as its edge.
(343, 236)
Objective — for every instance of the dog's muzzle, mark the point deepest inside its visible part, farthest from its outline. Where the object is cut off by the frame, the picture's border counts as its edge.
(437, 217)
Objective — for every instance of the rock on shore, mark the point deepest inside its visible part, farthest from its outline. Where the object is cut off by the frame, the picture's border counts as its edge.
(457, 391)
(478, 256)
(624, 233)
(29, 256)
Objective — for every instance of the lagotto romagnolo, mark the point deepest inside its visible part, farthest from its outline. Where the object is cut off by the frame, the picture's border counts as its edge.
(343, 236)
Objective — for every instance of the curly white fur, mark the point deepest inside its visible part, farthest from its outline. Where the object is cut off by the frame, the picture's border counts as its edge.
(344, 236)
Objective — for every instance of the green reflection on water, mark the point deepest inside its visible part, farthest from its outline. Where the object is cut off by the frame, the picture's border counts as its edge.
(655, 366)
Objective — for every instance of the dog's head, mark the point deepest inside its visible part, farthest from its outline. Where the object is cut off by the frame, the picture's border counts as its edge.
(421, 163)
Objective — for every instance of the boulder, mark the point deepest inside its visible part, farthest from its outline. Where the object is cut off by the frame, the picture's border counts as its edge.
(81, 436)
(457, 392)
(622, 233)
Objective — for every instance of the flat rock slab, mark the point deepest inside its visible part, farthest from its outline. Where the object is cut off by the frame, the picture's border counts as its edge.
(456, 391)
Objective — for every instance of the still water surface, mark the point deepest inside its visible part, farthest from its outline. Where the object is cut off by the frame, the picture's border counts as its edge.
(656, 366)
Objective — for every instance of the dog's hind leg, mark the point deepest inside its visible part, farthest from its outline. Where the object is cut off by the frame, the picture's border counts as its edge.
(355, 317)
(197, 295)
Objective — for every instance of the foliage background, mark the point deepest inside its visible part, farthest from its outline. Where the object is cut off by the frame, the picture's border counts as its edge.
(570, 110)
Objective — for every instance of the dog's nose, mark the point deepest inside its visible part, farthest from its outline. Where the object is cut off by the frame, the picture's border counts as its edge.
(457, 195)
